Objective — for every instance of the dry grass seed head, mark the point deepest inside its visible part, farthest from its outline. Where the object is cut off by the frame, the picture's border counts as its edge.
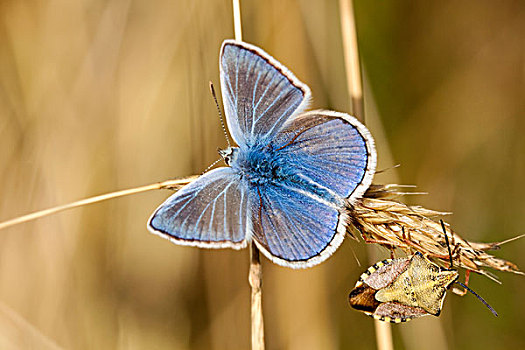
(381, 219)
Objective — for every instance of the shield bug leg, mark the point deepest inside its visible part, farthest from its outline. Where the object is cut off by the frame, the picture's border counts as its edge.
(392, 254)
(407, 238)
(404, 235)
(384, 243)
(467, 275)
(462, 292)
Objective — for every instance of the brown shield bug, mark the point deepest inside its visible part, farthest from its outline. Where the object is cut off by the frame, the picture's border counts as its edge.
(398, 290)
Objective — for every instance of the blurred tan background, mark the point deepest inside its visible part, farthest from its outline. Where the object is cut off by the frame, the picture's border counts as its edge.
(100, 95)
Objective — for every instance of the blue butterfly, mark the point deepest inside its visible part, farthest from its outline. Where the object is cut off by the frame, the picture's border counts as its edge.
(290, 182)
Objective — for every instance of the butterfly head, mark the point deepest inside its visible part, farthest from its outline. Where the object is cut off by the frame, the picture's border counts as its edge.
(229, 154)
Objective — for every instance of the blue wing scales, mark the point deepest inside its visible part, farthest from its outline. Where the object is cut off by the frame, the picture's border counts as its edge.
(331, 149)
(212, 212)
(295, 229)
(259, 94)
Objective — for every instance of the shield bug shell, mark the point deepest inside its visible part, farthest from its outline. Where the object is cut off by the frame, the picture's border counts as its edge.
(397, 290)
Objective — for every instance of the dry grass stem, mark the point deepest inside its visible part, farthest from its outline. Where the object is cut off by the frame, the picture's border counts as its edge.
(351, 56)
(169, 184)
(237, 19)
(381, 219)
(383, 335)
(255, 279)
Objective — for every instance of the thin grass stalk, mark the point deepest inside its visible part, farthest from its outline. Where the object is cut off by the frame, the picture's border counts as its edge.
(255, 279)
(355, 90)
(237, 19)
(351, 56)
(255, 272)
(169, 184)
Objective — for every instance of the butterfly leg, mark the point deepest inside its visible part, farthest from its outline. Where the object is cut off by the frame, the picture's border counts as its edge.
(407, 239)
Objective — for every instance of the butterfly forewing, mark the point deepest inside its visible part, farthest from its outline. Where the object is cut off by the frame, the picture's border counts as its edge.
(213, 211)
(259, 94)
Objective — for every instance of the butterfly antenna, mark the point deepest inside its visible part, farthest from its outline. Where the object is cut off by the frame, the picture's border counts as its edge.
(211, 166)
(212, 89)
(446, 240)
(480, 299)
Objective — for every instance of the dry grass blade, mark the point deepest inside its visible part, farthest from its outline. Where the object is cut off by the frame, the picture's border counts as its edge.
(169, 184)
(381, 219)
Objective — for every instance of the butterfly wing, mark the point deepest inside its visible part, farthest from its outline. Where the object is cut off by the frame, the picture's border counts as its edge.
(295, 229)
(259, 94)
(300, 223)
(331, 149)
(211, 212)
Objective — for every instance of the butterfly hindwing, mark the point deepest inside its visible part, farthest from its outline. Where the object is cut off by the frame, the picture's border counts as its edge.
(331, 149)
(294, 228)
(211, 212)
(259, 94)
